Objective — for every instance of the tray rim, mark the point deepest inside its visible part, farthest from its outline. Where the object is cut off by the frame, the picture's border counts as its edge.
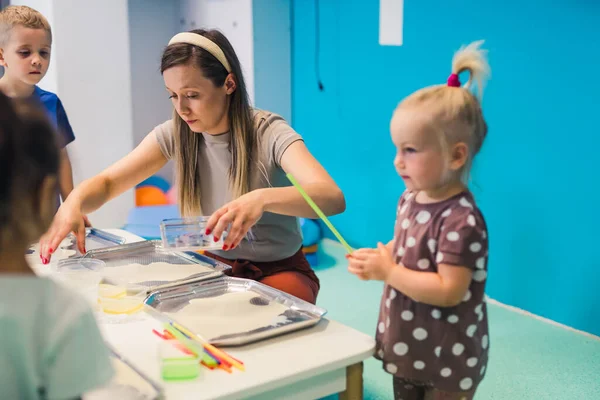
(94, 232)
(184, 220)
(72, 260)
(101, 234)
(191, 248)
(107, 236)
(193, 257)
(121, 251)
(277, 295)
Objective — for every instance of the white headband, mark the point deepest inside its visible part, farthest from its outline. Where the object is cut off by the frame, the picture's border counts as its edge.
(202, 42)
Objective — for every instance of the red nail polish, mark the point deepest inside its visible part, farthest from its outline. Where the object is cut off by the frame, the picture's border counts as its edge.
(51, 251)
(216, 239)
(44, 261)
(84, 250)
(225, 247)
(208, 231)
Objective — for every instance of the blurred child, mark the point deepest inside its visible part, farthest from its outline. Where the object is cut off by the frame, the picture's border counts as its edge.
(50, 345)
(432, 334)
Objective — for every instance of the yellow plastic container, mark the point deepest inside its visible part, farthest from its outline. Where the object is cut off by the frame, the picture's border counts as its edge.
(115, 299)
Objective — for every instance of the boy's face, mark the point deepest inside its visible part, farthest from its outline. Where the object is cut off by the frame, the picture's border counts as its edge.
(26, 55)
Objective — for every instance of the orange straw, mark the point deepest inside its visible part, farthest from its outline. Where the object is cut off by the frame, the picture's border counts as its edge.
(216, 352)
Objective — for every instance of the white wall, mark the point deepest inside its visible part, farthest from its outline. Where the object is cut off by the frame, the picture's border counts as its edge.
(95, 86)
(90, 72)
(234, 19)
(151, 24)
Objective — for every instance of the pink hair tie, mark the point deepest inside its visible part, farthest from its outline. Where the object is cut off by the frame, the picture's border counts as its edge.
(453, 80)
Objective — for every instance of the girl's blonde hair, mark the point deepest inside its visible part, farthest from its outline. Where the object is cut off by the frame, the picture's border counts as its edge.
(241, 125)
(456, 111)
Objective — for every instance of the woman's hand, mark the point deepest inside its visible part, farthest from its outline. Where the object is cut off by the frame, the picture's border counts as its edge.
(68, 219)
(241, 213)
(87, 222)
(375, 264)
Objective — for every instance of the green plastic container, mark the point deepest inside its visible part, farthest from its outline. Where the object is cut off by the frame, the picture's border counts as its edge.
(177, 365)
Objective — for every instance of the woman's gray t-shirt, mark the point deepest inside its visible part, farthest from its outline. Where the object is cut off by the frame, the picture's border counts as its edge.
(275, 236)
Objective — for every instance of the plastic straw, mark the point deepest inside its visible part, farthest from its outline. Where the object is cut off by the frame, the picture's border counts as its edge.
(185, 341)
(213, 350)
(317, 210)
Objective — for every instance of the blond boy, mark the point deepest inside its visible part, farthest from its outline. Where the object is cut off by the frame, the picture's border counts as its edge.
(25, 48)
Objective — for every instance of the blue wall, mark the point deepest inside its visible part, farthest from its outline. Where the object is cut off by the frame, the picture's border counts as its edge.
(272, 58)
(536, 179)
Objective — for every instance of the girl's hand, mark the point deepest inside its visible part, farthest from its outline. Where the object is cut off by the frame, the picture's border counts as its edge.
(374, 264)
(67, 219)
(241, 213)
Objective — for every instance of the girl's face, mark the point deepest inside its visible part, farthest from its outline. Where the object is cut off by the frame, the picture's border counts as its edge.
(421, 161)
(201, 104)
(26, 55)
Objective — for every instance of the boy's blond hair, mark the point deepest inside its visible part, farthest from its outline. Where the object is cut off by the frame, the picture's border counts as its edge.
(12, 16)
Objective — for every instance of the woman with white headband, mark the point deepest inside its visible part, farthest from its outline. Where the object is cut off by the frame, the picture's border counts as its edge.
(231, 162)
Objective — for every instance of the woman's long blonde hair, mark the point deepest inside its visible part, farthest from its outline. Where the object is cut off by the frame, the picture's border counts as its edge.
(456, 111)
(241, 126)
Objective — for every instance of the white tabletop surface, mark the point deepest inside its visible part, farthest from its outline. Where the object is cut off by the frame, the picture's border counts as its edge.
(271, 365)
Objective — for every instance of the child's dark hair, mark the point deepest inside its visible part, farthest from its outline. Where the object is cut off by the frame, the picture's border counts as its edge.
(28, 154)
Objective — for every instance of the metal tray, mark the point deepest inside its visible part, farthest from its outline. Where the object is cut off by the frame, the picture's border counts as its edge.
(299, 314)
(94, 239)
(148, 252)
(146, 389)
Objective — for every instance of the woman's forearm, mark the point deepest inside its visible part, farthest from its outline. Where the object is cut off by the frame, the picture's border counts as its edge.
(144, 161)
(288, 201)
(90, 195)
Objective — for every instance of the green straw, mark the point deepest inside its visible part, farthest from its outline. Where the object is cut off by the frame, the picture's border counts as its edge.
(187, 342)
(319, 212)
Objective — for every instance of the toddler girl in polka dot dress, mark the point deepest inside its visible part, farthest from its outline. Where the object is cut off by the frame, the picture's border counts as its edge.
(432, 333)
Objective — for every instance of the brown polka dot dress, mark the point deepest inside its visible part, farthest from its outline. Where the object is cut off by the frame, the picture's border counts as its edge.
(441, 347)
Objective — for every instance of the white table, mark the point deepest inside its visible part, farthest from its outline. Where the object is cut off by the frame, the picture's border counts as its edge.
(307, 364)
